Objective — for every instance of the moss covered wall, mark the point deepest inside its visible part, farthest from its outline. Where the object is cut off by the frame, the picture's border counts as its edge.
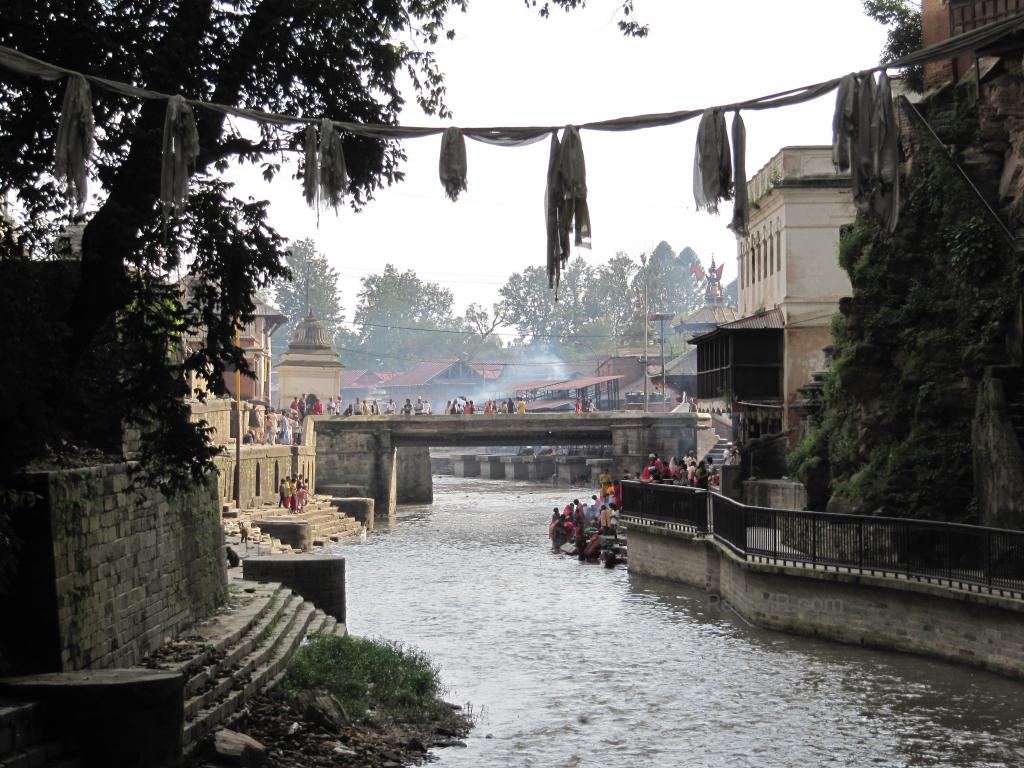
(930, 307)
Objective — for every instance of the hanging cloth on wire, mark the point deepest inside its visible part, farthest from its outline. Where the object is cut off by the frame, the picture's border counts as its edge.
(332, 170)
(712, 167)
(572, 170)
(865, 142)
(740, 205)
(886, 157)
(180, 150)
(844, 125)
(452, 165)
(557, 250)
(862, 154)
(75, 139)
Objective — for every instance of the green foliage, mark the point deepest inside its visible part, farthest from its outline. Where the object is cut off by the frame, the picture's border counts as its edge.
(903, 18)
(307, 268)
(600, 307)
(118, 320)
(398, 682)
(929, 307)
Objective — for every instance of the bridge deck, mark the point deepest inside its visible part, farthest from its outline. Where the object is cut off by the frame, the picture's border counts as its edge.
(502, 429)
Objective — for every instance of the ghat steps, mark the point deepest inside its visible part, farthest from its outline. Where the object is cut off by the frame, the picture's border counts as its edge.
(241, 651)
(326, 523)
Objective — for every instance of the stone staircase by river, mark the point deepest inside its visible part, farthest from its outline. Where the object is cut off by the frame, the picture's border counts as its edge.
(241, 651)
(327, 523)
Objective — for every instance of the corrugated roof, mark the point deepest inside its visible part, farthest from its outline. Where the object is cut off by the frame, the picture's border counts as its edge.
(769, 320)
(588, 381)
(541, 406)
(523, 386)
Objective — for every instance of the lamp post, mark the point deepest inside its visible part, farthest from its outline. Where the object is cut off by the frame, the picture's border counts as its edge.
(238, 430)
(662, 317)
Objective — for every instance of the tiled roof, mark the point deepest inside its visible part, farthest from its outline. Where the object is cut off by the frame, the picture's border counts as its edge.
(350, 378)
(424, 372)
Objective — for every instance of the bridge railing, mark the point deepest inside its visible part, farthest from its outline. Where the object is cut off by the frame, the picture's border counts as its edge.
(967, 557)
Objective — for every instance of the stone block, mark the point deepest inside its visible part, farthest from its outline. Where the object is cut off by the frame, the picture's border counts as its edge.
(291, 531)
(122, 718)
(318, 578)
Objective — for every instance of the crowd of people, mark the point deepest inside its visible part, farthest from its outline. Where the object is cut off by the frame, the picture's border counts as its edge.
(688, 471)
(422, 407)
(585, 524)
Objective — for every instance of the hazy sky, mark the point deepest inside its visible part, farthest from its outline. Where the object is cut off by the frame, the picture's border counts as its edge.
(506, 66)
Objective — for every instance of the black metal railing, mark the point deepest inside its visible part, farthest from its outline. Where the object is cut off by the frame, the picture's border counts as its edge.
(674, 504)
(965, 556)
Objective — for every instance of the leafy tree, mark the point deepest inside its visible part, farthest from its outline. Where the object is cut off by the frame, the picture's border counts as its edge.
(402, 319)
(542, 318)
(611, 301)
(672, 286)
(903, 18)
(311, 269)
(308, 58)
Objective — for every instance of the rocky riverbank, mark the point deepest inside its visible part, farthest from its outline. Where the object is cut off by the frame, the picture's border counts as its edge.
(312, 729)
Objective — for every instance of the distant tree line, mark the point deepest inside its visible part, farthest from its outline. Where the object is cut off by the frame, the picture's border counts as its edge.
(401, 318)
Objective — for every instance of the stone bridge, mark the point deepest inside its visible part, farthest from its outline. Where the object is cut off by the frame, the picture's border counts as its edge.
(388, 455)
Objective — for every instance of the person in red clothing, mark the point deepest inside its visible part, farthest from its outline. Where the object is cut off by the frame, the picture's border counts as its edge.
(318, 409)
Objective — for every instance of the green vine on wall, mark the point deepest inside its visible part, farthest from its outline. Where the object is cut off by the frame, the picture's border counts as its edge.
(929, 310)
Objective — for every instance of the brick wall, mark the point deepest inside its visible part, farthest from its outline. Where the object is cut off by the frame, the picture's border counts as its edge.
(107, 574)
(966, 627)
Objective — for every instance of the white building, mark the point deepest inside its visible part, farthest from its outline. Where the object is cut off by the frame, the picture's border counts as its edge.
(790, 283)
(310, 366)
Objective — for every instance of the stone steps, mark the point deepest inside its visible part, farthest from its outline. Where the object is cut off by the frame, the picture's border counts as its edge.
(252, 674)
(23, 742)
(248, 651)
(326, 522)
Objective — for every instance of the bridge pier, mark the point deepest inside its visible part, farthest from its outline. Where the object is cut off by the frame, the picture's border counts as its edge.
(466, 465)
(540, 467)
(516, 467)
(491, 467)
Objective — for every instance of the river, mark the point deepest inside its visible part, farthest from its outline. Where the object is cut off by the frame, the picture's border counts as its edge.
(568, 664)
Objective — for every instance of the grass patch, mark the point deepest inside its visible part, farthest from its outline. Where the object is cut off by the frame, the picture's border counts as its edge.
(398, 682)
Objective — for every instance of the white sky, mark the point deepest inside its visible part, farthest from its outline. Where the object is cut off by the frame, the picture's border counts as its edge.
(506, 66)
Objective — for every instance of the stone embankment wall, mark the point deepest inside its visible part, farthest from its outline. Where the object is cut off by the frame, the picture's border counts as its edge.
(107, 574)
(966, 627)
(263, 467)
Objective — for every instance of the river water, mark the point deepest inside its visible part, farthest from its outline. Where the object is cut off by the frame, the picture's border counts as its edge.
(568, 664)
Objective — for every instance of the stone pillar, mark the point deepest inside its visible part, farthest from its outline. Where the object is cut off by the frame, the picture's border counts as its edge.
(466, 465)
(516, 467)
(492, 467)
(539, 467)
(570, 467)
(415, 479)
